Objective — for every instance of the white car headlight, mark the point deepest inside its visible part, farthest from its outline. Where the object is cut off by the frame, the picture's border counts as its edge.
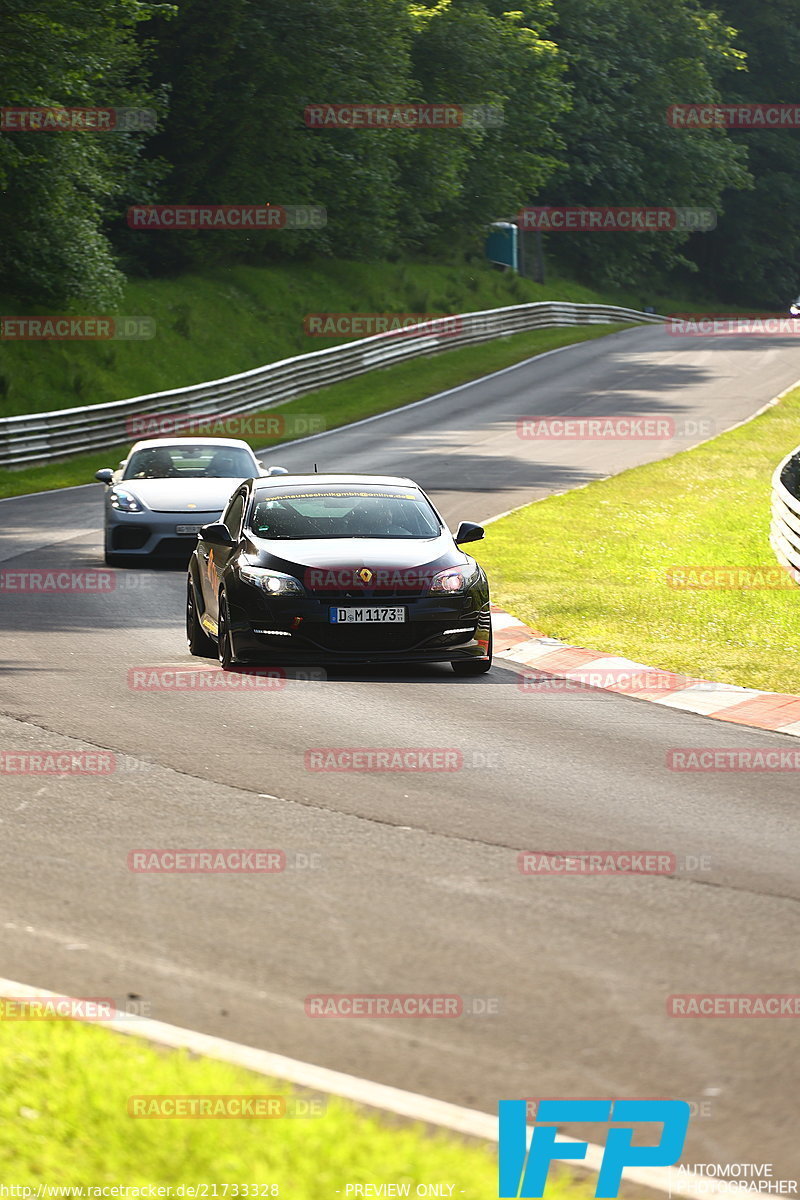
(274, 583)
(455, 579)
(124, 501)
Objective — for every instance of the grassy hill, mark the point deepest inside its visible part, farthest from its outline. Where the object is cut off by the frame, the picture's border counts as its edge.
(222, 322)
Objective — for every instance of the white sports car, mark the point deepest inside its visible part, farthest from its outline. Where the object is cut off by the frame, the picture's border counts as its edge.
(166, 490)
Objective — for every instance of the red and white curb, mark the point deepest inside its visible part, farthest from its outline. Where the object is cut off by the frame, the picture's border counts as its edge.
(549, 658)
(467, 1122)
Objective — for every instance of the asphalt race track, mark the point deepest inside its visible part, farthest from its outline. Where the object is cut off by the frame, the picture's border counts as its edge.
(407, 882)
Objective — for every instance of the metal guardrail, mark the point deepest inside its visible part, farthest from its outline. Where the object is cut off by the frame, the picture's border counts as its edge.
(784, 532)
(59, 434)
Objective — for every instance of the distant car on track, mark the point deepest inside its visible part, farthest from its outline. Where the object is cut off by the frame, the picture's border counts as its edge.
(339, 569)
(166, 489)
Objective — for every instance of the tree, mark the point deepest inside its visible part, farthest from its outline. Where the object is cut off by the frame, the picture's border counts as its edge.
(755, 252)
(629, 61)
(58, 189)
(240, 76)
(477, 55)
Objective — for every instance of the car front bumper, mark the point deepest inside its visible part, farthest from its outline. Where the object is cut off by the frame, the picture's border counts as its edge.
(297, 630)
(150, 534)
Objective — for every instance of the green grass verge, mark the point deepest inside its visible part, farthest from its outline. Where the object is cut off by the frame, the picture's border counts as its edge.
(233, 319)
(590, 566)
(64, 1121)
(375, 392)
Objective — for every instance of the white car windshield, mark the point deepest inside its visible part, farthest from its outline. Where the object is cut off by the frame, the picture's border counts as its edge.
(190, 462)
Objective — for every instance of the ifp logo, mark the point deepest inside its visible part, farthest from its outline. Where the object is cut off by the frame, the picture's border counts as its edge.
(523, 1172)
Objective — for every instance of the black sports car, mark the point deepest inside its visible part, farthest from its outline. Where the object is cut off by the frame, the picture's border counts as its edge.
(337, 568)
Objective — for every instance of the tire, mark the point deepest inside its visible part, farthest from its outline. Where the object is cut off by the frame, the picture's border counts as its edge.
(200, 644)
(474, 666)
(227, 659)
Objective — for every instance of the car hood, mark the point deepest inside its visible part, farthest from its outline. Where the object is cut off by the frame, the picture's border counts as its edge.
(182, 495)
(335, 553)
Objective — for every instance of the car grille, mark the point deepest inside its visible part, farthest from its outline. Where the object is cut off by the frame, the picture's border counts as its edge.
(368, 594)
(346, 639)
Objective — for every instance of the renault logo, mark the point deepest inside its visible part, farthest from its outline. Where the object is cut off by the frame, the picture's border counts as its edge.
(365, 575)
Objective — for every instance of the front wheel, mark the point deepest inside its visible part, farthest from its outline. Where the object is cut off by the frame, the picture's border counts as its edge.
(200, 644)
(474, 666)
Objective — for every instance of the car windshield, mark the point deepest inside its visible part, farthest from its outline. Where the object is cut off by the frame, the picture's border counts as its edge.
(343, 513)
(190, 462)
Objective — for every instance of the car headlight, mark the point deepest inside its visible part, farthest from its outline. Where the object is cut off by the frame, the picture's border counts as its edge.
(274, 583)
(124, 501)
(455, 579)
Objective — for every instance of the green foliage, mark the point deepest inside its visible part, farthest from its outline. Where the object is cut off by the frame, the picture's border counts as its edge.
(503, 61)
(629, 61)
(574, 96)
(240, 77)
(756, 249)
(226, 320)
(59, 189)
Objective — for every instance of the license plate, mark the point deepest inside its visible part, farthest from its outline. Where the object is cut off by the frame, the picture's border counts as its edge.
(368, 616)
(188, 528)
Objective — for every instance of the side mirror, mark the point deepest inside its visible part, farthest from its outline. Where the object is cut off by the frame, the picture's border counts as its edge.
(467, 532)
(275, 470)
(104, 476)
(216, 534)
